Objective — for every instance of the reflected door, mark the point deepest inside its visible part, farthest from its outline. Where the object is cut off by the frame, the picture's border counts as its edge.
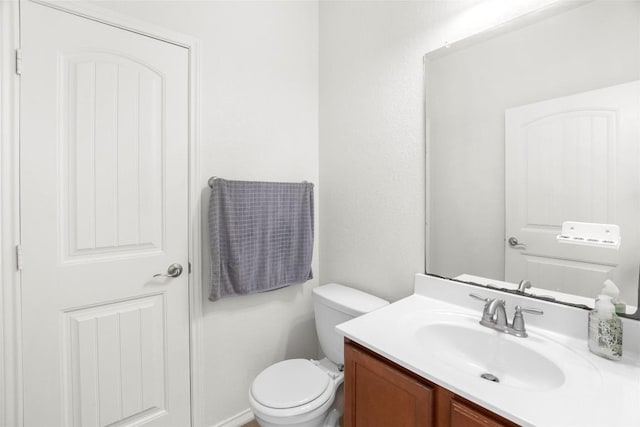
(574, 158)
(103, 164)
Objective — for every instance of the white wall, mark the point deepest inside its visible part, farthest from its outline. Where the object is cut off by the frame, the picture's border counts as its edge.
(372, 152)
(259, 120)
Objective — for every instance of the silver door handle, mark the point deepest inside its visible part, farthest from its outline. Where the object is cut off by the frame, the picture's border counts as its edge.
(174, 270)
(513, 242)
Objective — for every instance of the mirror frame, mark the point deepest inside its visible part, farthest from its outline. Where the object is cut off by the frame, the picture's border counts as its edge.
(486, 34)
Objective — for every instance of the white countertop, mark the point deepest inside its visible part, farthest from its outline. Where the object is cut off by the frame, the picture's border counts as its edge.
(597, 392)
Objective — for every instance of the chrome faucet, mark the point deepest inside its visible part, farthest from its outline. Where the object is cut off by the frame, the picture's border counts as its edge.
(494, 316)
(523, 286)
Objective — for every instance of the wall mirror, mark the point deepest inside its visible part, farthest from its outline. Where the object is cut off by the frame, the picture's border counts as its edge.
(529, 126)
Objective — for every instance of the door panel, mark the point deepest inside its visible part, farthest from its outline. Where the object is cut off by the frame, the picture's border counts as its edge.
(112, 108)
(103, 164)
(113, 193)
(573, 158)
(115, 354)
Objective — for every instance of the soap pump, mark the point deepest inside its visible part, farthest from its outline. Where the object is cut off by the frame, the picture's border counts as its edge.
(612, 290)
(605, 329)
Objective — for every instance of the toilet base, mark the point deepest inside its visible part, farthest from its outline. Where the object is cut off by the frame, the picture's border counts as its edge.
(316, 422)
(332, 419)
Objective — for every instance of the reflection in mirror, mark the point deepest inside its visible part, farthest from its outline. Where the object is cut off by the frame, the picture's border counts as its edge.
(529, 127)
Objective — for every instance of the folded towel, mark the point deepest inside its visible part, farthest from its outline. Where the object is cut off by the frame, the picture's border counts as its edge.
(261, 236)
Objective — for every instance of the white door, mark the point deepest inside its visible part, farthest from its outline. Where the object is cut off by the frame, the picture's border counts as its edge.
(575, 158)
(103, 166)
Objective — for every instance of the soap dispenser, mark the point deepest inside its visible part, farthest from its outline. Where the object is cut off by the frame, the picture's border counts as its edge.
(605, 329)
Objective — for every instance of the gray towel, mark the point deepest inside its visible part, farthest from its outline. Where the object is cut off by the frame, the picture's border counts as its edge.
(261, 236)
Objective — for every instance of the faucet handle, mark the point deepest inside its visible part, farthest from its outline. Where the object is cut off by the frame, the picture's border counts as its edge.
(481, 298)
(529, 310)
(517, 327)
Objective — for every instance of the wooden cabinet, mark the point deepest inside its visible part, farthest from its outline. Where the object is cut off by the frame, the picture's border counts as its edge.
(463, 414)
(380, 393)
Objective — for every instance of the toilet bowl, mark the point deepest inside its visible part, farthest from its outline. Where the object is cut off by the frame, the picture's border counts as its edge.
(301, 392)
(295, 392)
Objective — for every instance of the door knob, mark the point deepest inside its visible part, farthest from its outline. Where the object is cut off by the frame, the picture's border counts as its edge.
(174, 270)
(513, 242)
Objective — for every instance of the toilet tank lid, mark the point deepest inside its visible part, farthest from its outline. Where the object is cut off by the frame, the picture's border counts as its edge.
(348, 300)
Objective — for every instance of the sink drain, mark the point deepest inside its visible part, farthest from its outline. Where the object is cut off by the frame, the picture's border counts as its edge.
(490, 377)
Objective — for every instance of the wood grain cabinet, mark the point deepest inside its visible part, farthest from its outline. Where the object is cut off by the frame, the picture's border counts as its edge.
(380, 393)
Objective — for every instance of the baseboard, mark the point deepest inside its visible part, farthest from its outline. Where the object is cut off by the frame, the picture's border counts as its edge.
(237, 420)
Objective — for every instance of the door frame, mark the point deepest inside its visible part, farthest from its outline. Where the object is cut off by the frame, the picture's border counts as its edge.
(11, 404)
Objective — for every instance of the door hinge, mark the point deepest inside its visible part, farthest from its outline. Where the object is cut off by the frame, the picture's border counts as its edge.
(19, 257)
(189, 263)
(19, 62)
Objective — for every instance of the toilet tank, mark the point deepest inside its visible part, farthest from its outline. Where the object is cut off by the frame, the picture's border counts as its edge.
(334, 304)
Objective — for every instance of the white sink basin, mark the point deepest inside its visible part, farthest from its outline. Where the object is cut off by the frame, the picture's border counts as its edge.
(458, 341)
(498, 357)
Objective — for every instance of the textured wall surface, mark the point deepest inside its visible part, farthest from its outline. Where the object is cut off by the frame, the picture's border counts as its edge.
(371, 152)
(372, 145)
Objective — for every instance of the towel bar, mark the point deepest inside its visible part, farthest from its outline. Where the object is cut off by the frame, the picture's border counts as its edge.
(213, 178)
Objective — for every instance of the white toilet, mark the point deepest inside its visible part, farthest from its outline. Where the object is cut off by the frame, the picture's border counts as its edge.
(300, 392)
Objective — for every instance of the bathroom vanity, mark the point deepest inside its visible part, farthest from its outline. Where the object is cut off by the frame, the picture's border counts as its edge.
(379, 392)
(426, 361)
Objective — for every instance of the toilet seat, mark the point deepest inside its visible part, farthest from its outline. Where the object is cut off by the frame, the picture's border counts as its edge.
(317, 386)
(289, 384)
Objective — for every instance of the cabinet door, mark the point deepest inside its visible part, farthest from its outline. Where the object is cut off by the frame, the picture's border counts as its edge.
(379, 395)
(464, 415)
